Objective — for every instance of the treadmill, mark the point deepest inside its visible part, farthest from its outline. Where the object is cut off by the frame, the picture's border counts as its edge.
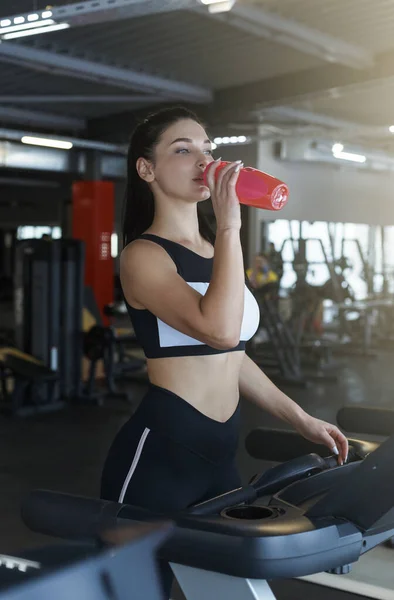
(304, 516)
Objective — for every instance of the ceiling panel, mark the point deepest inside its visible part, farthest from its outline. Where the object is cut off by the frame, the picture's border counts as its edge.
(369, 104)
(183, 46)
(12, 7)
(187, 46)
(368, 23)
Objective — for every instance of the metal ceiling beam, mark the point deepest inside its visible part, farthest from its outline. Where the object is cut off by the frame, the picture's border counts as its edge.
(104, 11)
(289, 113)
(28, 182)
(295, 114)
(14, 135)
(68, 98)
(56, 63)
(11, 114)
(268, 25)
(306, 84)
(16, 155)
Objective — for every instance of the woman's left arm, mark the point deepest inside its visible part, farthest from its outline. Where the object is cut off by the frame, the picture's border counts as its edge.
(255, 386)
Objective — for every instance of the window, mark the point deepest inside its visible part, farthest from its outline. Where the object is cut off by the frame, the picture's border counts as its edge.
(359, 244)
(29, 232)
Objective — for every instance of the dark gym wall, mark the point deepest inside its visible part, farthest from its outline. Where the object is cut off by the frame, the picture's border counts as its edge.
(30, 213)
(24, 205)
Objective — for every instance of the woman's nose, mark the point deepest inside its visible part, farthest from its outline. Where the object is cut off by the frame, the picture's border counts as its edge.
(204, 160)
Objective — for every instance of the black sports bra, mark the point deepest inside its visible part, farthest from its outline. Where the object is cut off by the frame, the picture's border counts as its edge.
(157, 338)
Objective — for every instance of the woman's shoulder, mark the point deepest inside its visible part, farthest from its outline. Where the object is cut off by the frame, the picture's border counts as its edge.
(140, 241)
(140, 252)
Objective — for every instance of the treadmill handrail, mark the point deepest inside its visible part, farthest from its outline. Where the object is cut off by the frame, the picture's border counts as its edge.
(366, 495)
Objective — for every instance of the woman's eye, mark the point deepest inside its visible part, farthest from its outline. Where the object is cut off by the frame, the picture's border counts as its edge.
(183, 150)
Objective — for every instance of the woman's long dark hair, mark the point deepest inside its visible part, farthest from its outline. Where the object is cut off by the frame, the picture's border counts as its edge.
(139, 205)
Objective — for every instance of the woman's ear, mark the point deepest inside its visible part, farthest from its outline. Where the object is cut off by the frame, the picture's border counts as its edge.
(144, 169)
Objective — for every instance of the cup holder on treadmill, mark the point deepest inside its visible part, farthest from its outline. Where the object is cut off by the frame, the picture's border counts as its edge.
(252, 513)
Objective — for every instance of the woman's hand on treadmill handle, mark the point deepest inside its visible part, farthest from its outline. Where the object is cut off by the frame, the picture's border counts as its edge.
(320, 432)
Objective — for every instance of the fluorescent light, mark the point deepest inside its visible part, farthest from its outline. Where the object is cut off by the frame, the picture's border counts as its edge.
(234, 139)
(18, 34)
(221, 7)
(358, 158)
(33, 17)
(47, 142)
(337, 148)
(218, 6)
(213, 146)
(19, 20)
(337, 151)
(46, 14)
(25, 26)
(114, 245)
(391, 129)
(5, 23)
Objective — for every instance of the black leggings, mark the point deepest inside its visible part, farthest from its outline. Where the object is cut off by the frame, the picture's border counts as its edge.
(169, 456)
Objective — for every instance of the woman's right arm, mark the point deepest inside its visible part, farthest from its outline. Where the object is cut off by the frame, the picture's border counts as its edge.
(224, 300)
(150, 278)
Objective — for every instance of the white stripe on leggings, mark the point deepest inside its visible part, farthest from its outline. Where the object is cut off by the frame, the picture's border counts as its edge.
(134, 464)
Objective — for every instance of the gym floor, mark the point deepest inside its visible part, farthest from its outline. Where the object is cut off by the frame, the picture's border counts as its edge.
(64, 451)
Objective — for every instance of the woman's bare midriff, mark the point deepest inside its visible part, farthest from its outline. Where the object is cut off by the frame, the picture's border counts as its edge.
(209, 383)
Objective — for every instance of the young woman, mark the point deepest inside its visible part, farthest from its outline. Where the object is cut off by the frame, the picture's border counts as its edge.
(192, 313)
(261, 273)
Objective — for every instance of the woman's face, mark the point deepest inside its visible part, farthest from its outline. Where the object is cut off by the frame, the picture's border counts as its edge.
(260, 263)
(181, 156)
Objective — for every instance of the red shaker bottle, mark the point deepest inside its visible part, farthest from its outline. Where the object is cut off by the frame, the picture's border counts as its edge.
(258, 189)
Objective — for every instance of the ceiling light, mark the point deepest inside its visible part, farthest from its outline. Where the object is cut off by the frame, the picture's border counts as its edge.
(213, 146)
(337, 148)
(13, 28)
(358, 158)
(218, 6)
(234, 139)
(46, 142)
(18, 34)
(391, 129)
(32, 24)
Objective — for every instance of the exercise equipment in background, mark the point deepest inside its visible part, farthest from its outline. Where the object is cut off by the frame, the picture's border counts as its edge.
(43, 371)
(60, 336)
